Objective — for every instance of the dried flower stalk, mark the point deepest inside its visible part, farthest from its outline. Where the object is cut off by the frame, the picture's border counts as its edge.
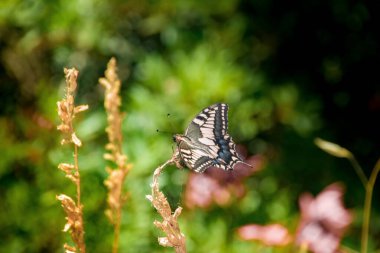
(174, 238)
(74, 211)
(115, 180)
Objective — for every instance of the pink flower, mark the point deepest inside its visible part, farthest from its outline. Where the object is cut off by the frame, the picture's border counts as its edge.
(323, 220)
(218, 186)
(271, 235)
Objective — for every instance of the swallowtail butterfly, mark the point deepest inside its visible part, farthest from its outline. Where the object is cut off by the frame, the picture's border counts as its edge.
(206, 142)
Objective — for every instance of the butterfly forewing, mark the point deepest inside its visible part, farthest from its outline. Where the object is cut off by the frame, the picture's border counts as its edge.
(211, 121)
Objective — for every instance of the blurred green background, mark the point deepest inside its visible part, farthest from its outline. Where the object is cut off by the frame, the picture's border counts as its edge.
(290, 71)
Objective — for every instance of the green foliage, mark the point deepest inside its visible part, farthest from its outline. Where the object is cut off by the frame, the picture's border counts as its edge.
(178, 57)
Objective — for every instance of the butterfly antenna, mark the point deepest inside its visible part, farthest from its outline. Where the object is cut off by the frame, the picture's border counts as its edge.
(170, 122)
(171, 127)
(163, 132)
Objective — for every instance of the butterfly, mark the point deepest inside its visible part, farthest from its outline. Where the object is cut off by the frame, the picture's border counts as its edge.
(206, 142)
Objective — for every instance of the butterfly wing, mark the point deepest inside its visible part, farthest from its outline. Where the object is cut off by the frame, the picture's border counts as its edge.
(194, 158)
(210, 144)
(211, 121)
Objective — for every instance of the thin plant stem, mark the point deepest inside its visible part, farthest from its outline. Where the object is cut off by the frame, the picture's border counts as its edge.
(115, 245)
(82, 247)
(367, 207)
(77, 174)
(174, 238)
(158, 171)
(114, 183)
(73, 209)
(347, 249)
(338, 151)
(358, 169)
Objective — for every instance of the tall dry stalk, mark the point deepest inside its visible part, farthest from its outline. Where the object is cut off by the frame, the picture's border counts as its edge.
(117, 175)
(174, 238)
(74, 211)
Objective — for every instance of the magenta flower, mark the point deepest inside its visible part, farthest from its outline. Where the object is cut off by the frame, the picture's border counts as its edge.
(270, 235)
(323, 220)
(216, 186)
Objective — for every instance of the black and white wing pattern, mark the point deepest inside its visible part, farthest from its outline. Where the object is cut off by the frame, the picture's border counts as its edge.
(206, 142)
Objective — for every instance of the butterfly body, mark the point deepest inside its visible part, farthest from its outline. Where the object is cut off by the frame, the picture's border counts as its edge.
(206, 142)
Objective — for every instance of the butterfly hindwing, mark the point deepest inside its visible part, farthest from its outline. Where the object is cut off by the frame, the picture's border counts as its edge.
(194, 158)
